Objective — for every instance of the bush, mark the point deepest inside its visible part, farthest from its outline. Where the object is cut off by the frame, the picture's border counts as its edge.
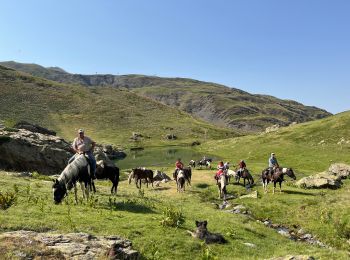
(7, 200)
(172, 217)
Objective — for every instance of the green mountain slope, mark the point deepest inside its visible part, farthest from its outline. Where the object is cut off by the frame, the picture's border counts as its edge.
(309, 147)
(211, 102)
(108, 114)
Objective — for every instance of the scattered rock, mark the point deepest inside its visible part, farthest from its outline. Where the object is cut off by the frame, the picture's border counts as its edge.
(75, 245)
(161, 177)
(253, 195)
(34, 128)
(239, 209)
(329, 179)
(272, 128)
(322, 142)
(24, 150)
(171, 137)
(250, 245)
(195, 143)
(112, 152)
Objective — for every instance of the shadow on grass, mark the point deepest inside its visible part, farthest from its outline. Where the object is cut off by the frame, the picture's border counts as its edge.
(132, 206)
(202, 185)
(161, 188)
(295, 192)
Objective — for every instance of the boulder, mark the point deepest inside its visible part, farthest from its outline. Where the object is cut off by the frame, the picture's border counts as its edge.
(340, 169)
(272, 128)
(23, 150)
(253, 195)
(69, 246)
(171, 137)
(320, 180)
(34, 128)
(161, 177)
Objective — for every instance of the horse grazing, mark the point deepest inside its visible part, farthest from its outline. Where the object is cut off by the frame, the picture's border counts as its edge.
(192, 163)
(104, 171)
(180, 181)
(141, 173)
(76, 171)
(222, 183)
(245, 174)
(276, 175)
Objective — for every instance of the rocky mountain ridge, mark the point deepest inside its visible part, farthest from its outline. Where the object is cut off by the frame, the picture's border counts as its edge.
(214, 103)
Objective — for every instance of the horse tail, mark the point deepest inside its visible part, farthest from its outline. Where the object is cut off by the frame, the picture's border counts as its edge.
(131, 176)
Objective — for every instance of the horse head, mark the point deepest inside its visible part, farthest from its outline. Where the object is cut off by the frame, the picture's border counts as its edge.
(59, 191)
(291, 174)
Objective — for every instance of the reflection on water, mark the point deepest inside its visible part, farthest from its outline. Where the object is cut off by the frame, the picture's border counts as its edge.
(158, 157)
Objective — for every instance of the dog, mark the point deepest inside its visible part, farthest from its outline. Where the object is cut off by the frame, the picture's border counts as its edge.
(202, 233)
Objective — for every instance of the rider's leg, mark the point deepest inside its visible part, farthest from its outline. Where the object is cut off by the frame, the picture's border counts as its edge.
(92, 164)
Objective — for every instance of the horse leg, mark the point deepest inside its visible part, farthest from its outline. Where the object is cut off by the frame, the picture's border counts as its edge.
(280, 187)
(75, 194)
(274, 187)
(87, 191)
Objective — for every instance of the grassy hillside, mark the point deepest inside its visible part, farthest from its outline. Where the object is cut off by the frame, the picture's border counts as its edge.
(137, 216)
(211, 102)
(309, 147)
(107, 114)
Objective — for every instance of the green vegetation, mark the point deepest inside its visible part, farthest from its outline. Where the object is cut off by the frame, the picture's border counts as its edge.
(136, 216)
(109, 115)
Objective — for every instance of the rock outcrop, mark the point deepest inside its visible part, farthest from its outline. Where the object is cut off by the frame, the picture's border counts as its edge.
(23, 150)
(29, 245)
(328, 179)
(113, 152)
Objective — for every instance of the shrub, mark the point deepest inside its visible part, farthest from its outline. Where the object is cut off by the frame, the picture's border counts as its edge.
(7, 200)
(172, 217)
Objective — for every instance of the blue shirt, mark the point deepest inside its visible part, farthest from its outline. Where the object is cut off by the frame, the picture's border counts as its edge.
(272, 162)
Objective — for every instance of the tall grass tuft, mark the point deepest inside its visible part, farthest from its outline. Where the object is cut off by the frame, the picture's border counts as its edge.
(7, 200)
(172, 217)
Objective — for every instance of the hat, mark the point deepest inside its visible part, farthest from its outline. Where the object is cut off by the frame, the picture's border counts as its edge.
(272, 153)
(80, 131)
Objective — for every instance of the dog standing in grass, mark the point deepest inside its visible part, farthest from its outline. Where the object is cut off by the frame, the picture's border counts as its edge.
(202, 233)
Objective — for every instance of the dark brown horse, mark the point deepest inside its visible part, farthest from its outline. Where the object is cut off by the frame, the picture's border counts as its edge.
(276, 175)
(245, 174)
(104, 171)
(141, 173)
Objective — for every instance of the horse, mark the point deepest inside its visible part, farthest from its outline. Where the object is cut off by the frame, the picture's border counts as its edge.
(206, 163)
(180, 181)
(76, 171)
(141, 173)
(231, 174)
(222, 183)
(245, 174)
(187, 174)
(192, 163)
(276, 175)
(104, 171)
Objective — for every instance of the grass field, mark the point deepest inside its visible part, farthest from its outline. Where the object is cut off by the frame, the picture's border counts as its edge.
(137, 216)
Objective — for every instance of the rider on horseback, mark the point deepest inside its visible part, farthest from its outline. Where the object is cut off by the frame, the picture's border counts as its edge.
(241, 167)
(220, 171)
(178, 166)
(273, 164)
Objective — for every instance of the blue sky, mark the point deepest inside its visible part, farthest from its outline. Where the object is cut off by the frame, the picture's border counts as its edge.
(295, 49)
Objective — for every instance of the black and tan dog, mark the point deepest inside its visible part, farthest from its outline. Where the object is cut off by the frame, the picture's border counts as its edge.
(202, 233)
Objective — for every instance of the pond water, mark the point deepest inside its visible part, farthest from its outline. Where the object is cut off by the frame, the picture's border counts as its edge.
(159, 157)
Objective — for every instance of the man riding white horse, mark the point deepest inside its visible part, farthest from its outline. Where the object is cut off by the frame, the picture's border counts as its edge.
(84, 145)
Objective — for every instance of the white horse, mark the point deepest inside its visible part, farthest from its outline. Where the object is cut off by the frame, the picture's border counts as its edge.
(76, 171)
(222, 183)
(232, 174)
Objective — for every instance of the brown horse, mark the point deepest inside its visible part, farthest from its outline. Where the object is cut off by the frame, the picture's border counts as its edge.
(276, 175)
(141, 173)
(245, 174)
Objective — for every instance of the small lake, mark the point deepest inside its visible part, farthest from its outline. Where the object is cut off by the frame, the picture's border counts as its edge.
(159, 157)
